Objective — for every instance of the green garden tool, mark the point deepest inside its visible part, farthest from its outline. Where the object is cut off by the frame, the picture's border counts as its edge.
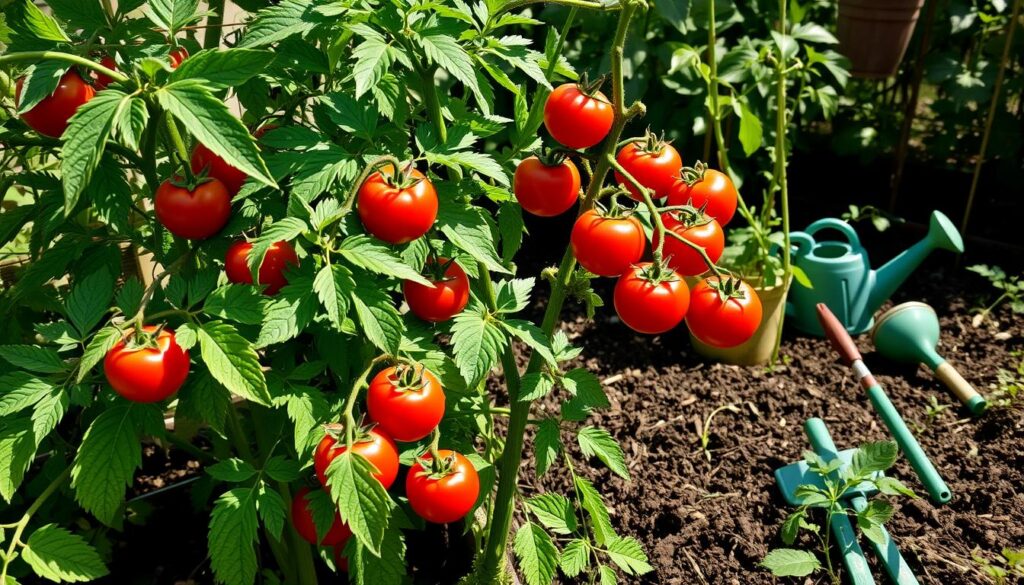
(909, 333)
(792, 476)
(926, 472)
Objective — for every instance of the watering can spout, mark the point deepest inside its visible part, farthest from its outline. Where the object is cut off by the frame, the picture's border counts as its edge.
(941, 234)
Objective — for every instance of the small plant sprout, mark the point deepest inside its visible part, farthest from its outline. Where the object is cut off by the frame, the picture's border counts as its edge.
(705, 430)
(840, 483)
(879, 218)
(1012, 288)
(1009, 385)
(1009, 563)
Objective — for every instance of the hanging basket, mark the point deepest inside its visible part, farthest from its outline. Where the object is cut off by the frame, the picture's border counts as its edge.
(874, 34)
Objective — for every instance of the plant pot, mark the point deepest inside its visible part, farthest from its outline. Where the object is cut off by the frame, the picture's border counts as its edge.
(874, 34)
(758, 349)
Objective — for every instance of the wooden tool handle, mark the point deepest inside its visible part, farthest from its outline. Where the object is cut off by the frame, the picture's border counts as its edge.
(961, 388)
(838, 335)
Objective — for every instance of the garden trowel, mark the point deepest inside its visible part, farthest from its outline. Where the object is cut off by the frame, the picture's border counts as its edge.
(796, 474)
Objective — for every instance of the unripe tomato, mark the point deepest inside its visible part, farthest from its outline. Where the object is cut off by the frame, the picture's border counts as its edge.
(195, 215)
(444, 300)
(302, 518)
(375, 446)
(703, 231)
(147, 370)
(204, 159)
(443, 498)
(279, 256)
(650, 307)
(406, 402)
(177, 55)
(575, 119)
(394, 214)
(654, 164)
(715, 189)
(607, 246)
(546, 190)
(102, 81)
(723, 313)
(50, 116)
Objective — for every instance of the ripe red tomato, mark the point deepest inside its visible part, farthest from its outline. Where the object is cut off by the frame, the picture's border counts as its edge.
(724, 313)
(149, 372)
(445, 299)
(195, 215)
(204, 159)
(649, 307)
(546, 190)
(406, 402)
(302, 517)
(715, 189)
(703, 231)
(177, 55)
(447, 498)
(607, 246)
(654, 164)
(102, 81)
(575, 119)
(50, 116)
(279, 256)
(397, 214)
(374, 445)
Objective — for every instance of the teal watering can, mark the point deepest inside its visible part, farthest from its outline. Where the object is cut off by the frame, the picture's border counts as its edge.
(842, 278)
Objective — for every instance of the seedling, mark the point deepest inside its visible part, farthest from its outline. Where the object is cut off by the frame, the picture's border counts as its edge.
(1009, 563)
(1012, 288)
(1010, 385)
(931, 412)
(705, 430)
(835, 484)
(879, 218)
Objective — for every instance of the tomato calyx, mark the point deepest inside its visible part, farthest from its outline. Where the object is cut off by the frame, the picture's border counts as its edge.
(435, 269)
(728, 288)
(437, 467)
(651, 143)
(138, 339)
(400, 178)
(657, 272)
(191, 181)
(687, 216)
(408, 377)
(337, 432)
(590, 88)
(552, 157)
(695, 174)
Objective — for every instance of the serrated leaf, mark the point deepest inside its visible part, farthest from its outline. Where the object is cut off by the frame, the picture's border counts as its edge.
(554, 511)
(288, 314)
(511, 226)
(334, 285)
(279, 22)
(547, 444)
(534, 386)
(208, 119)
(103, 341)
(33, 358)
(891, 486)
(85, 140)
(362, 501)
(232, 537)
(233, 362)
(387, 568)
(87, 14)
(792, 524)
(513, 295)
(575, 557)
(272, 510)
(600, 522)
(595, 442)
(38, 23)
(21, 390)
(307, 408)
(232, 470)
(39, 82)
(237, 302)
(380, 320)
(787, 562)
(477, 341)
(202, 399)
(48, 413)
(282, 230)
(442, 49)
(223, 68)
(365, 252)
(873, 457)
(469, 229)
(17, 448)
(60, 556)
(629, 556)
(90, 300)
(280, 469)
(372, 60)
(537, 555)
(532, 336)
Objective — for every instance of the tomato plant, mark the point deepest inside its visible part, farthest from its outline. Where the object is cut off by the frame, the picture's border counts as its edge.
(578, 116)
(148, 367)
(654, 163)
(546, 186)
(375, 447)
(406, 402)
(723, 313)
(444, 492)
(607, 245)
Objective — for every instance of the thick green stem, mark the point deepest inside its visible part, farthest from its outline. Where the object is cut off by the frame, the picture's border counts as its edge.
(177, 146)
(780, 168)
(75, 59)
(214, 23)
(23, 523)
(433, 103)
(511, 459)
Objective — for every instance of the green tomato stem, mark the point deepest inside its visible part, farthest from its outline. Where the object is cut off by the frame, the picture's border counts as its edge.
(23, 523)
(59, 56)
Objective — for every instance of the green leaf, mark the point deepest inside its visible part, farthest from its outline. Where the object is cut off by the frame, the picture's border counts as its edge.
(87, 14)
(233, 362)
(334, 285)
(627, 553)
(891, 486)
(877, 512)
(48, 413)
(791, 527)
(587, 394)
(238, 302)
(872, 457)
(173, 15)
(232, 537)
(280, 469)
(442, 49)
(534, 386)
(514, 295)
(786, 44)
(85, 140)
(372, 61)
(387, 568)
(575, 557)
(787, 562)
(362, 501)
(17, 448)
(272, 510)
(90, 300)
(554, 511)
(600, 522)
(380, 320)
(365, 252)
(532, 336)
(538, 556)
(223, 68)
(207, 118)
(39, 82)
(60, 556)
(801, 277)
(108, 456)
(307, 408)
(547, 445)
(233, 470)
(39, 24)
(103, 341)
(290, 311)
(129, 296)
(814, 33)
(477, 341)
(469, 229)
(751, 132)
(511, 227)
(595, 442)
(131, 124)
(202, 399)
(283, 230)
(33, 358)
(276, 23)
(608, 576)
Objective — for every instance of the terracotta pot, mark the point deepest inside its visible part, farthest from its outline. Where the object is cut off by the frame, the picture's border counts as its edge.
(874, 34)
(758, 349)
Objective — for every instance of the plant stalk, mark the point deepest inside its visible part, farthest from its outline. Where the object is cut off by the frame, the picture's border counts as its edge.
(23, 523)
(214, 24)
(780, 170)
(74, 59)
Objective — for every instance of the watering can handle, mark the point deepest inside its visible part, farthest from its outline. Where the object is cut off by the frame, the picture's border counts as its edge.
(838, 225)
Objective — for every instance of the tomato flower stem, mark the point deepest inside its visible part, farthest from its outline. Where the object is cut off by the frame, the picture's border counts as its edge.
(32, 509)
(350, 402)
(147, 295)
(60, 56)
(369, 169)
